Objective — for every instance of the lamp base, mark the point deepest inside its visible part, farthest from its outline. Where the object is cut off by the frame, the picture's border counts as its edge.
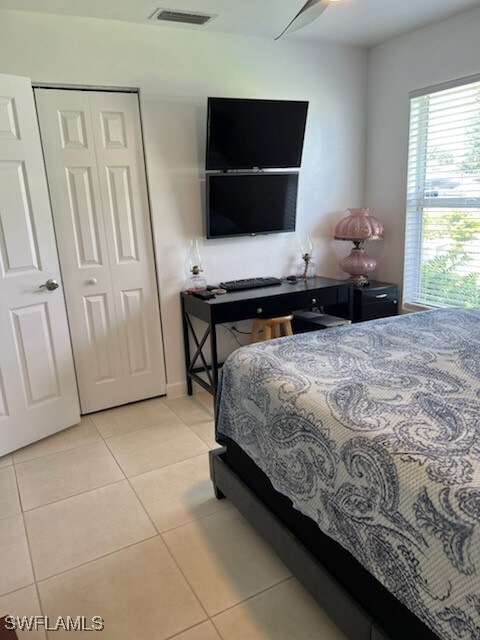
(359, 281)
(358, 264)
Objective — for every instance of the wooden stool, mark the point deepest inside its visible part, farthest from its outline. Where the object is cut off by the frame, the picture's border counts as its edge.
(272, 327)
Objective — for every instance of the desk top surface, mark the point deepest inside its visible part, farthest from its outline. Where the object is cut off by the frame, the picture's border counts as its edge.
(285, 288)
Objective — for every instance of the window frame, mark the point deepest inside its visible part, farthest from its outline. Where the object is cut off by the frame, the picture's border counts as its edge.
(412, 268)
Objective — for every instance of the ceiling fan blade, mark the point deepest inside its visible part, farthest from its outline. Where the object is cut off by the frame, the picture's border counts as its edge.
(309, 12)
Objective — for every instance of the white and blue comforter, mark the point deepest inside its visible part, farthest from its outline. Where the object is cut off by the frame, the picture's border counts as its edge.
(373, 431)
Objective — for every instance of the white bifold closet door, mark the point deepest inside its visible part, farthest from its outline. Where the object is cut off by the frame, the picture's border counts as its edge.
(38, 392)
(93, 151)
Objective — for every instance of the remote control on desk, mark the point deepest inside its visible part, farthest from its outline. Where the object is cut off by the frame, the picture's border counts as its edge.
(203, 295)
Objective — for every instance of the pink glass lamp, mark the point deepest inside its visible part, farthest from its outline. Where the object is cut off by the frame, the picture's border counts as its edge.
(359, 227)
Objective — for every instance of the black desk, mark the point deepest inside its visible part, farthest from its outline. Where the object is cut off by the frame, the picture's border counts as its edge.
(242, 305)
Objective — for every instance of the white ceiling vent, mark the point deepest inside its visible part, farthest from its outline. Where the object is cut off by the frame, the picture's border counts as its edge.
(184, 17)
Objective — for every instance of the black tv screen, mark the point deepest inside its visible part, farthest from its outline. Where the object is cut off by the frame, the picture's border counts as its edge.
(241, 204)
(248, 134)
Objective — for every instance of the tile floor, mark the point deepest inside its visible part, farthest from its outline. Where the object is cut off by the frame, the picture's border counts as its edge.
(116, 517)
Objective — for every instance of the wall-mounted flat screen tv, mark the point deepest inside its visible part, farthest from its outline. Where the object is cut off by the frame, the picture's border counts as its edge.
(248, 134)
(247, 204)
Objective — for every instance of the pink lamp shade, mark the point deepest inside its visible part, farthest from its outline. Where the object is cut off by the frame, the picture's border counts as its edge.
(359, 227)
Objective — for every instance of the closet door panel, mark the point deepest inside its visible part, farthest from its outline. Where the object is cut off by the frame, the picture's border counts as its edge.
(94, 156)
(122, 178)
(70, 157)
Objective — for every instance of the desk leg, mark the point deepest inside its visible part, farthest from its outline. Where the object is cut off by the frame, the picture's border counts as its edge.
(214, 357)
(186, 346)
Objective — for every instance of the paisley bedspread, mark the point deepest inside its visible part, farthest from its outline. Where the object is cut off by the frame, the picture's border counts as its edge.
(373, 431)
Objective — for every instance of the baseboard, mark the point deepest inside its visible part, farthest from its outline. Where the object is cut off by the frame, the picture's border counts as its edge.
(179, 389)
(176, 389)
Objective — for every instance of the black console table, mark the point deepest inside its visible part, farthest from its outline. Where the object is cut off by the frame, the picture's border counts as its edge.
(242, 305)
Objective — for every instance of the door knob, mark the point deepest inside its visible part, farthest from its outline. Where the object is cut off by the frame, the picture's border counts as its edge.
(50, 284)
(92, 281)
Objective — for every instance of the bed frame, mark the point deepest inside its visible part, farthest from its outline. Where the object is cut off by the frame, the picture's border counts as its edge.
(358, 604)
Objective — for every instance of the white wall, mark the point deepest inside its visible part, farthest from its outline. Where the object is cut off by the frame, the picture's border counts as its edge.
(444, 51)
(176, 70)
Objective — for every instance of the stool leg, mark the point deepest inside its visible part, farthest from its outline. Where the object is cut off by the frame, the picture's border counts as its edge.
(277, 330)
(255, 327)
(267, 332)
(288, 328)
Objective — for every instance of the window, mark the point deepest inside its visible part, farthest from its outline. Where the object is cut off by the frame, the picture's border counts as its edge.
(442, 252)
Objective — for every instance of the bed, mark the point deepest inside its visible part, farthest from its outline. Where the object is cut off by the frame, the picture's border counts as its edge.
(356, 452)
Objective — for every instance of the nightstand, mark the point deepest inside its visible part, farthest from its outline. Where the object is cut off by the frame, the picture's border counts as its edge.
(378, 300)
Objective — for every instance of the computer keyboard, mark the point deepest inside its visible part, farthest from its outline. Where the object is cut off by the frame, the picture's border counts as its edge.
(249, 283)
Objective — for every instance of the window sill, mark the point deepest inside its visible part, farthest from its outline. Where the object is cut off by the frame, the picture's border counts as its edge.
(409, 307)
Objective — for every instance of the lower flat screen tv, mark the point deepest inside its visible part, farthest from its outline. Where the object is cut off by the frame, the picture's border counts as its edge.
(248, 204)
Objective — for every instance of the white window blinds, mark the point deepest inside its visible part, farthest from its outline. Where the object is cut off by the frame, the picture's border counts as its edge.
(442, 252)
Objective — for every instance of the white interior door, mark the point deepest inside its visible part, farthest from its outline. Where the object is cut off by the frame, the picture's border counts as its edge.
(94, 157)
(38, 392)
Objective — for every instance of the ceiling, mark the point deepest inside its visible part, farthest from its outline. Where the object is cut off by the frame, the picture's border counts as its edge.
(356, 22)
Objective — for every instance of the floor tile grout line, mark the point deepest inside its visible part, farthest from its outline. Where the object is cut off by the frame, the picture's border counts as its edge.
(202, 439)
(56, 453)
(167, 466)
(124, 473)
(199, 406)
(100, 438)
(105, 438)
(254, 595)
(104, 555)
(174, 418)
(9, 593)
(17, 484)
(42, 609)
(108, 484)
(11, 515)
(158, 534)
(32, 566)
(171, 555)
(197, 598)
(29, 549)
(46, 455)
(199, 401)
(217, 629)
(187, 629)
(37, 580)
(125, 477)
(22, 514)
(74, 495)
(206, 515)
(136, 475)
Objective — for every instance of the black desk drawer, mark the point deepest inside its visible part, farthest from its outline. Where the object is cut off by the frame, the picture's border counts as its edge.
(379, 310)
(271, 305)
(379, 294)
(379, 300)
